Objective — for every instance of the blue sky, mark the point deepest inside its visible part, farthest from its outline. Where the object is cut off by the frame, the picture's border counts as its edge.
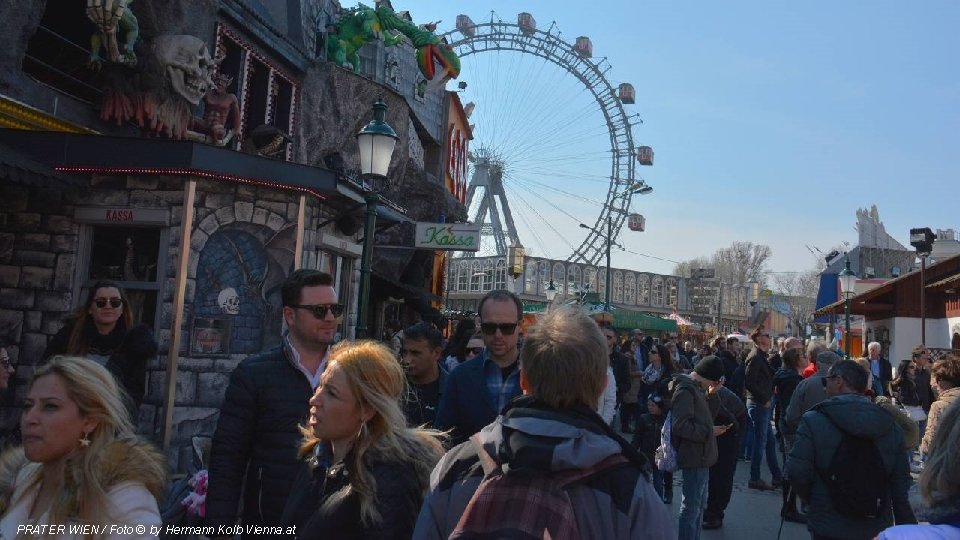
(771, 122)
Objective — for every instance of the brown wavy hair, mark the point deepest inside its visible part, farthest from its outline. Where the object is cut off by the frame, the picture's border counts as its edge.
(81, 317)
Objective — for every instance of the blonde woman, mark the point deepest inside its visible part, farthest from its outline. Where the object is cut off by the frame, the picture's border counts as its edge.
(80, 463)
(365, 472)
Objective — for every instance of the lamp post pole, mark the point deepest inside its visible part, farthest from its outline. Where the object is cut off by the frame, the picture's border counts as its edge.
(923, 298)
(366, 262)
(376, 142)
(606, 298)
(848, 282)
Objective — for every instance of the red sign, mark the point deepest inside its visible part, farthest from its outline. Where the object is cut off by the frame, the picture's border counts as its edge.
(119, 215)
(457, 162)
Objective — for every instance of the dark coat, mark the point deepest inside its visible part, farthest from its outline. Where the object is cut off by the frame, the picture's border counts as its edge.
(758, 377)
(817, 440)
(924, 392)
(128, 353)
(905, 390)
(646, 438)
(416, 410)
(322, 505)
(729, 363)
(254, 449)
(785, 381)
(621, 372)
(692, 425)
(465, 404)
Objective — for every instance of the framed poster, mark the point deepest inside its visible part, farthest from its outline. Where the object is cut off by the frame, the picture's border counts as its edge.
(210, 336)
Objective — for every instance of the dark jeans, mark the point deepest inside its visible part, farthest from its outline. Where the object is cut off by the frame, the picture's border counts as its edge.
(721, 477)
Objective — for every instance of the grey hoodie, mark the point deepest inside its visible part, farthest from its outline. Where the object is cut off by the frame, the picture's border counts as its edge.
(615, 503)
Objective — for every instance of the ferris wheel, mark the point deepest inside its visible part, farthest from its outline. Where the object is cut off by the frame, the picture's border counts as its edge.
(553, 140)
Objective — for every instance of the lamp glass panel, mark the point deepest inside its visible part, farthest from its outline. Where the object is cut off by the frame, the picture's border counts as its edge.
(375, 153)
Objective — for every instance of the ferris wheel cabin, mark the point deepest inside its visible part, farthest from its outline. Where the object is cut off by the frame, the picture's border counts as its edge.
(645, 155)
(626, 93)
(584, 47)
(527, 23)
(636, 222)
(465, 26)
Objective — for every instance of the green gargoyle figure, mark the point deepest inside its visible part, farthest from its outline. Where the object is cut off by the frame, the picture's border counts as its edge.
(113, 17)
(364, 24)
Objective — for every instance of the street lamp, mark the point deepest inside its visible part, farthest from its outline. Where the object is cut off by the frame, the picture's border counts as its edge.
(922, 240)
(376, 141)
(551, 292)
(848, 281)
(636, 188)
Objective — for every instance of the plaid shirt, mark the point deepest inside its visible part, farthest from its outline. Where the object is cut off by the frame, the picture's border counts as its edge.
(501, 391)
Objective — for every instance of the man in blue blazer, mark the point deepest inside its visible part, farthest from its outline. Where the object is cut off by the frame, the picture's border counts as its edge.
(480, 388)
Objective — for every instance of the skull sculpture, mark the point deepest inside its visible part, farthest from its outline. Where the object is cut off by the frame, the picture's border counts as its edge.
(229, 301)
(186, 63)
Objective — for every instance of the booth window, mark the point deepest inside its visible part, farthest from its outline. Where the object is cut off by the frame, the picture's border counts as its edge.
(130, 256)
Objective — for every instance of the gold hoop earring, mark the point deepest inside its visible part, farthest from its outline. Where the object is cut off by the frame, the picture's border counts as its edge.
(85, 440)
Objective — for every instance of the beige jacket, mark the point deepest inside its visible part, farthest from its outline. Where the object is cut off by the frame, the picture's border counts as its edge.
(911, 430)
(133, 474)
(933, 418)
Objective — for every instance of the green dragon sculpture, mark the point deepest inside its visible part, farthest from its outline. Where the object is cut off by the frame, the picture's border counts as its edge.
(363, 24)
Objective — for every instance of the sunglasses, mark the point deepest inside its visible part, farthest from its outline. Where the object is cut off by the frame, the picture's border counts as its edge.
(320, 310)
(475, 350)
(506, 329)
(114, 302)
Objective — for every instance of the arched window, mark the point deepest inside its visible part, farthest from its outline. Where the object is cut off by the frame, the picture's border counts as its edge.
(559, 277)
(530, 278)
(643, 290)
(657, 292)
(500, 278)
(476, 276)
(590, 279)
(630, 289)
(671, 292)
(573, 279)
(544, 274)
(487, 275)
(618, 286)
(463, 277)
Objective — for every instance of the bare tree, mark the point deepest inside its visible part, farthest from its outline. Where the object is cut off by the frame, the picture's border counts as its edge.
(799, 291)
(740, 263)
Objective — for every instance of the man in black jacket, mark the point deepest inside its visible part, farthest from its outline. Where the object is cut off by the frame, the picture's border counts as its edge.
(758, 386)
(254, 450)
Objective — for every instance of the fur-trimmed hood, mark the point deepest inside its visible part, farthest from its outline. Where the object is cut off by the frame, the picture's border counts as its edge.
(124, 460)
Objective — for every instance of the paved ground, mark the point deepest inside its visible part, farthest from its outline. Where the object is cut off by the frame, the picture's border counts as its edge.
(752, 514)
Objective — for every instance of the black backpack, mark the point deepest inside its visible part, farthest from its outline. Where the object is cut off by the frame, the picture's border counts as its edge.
(857, 478)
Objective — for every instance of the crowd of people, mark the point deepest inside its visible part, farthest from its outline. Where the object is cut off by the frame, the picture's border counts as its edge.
(577, 431)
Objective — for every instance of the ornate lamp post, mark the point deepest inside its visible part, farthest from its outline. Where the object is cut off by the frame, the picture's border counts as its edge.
(551, 292)
(376, 141)
(848, 281)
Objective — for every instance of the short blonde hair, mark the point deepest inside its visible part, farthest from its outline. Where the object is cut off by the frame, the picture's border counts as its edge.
(564, 359)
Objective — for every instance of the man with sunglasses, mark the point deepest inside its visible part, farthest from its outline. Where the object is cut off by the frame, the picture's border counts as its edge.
(480, 388)
(254, 449)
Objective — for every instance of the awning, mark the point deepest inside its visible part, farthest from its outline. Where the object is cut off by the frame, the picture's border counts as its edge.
(89, 154)
(20, 169)
(828, 294)
(628, 319)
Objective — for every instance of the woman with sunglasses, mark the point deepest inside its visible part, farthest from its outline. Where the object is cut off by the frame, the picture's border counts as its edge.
(102, 330)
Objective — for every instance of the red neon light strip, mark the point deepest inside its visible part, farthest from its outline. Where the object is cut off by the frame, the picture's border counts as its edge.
(187, 172)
